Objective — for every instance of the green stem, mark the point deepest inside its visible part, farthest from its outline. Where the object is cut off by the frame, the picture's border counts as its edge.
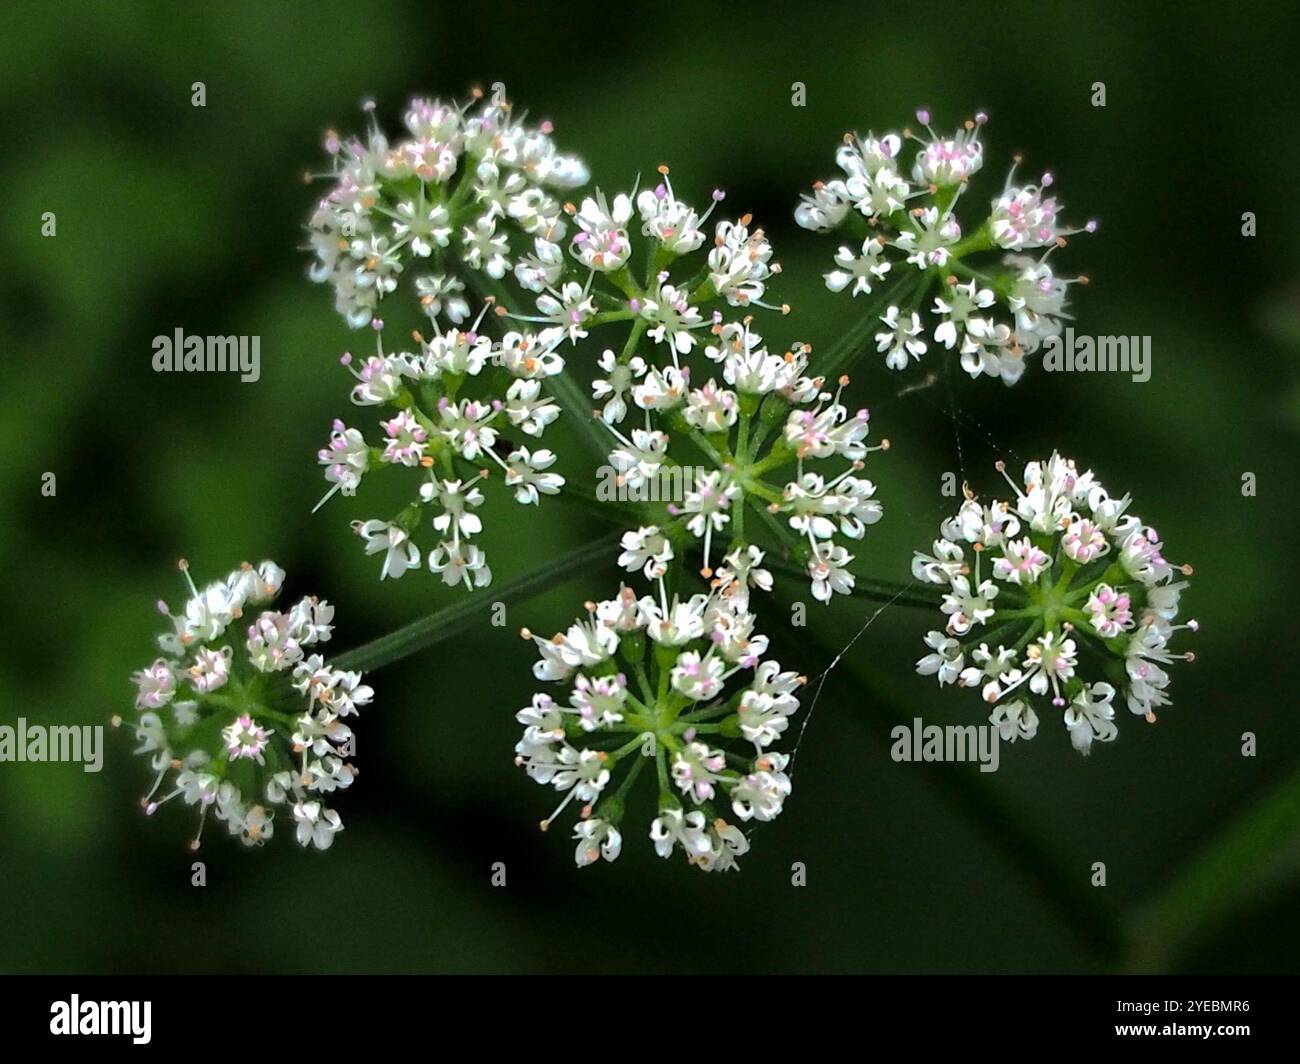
(742, 439)
(880, 705)
(632, 744)
(864, 587)
(973, 244)
(616, 511)
(779, 531)
(633, 336)
(451, 620)
(701, 441)
(850, 342)
(1256, 855)
(661, 770)
(632, 773)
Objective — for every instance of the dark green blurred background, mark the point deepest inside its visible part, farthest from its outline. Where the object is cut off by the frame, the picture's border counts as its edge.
(171, 216)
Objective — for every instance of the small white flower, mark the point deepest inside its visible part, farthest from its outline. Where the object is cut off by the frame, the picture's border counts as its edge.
(1027, 218)
(400, 554)
(542, 269)
(1049, 662)
(828, 570)
(958, 305)
(673, 319)
(567, 310)
(711, 409)
(661, 389)
(614, 387)
(460, 563)
(253, 587)
(1091, 717)
(379, 380)
(968, 606)
(673, 827)
(698, 678)
(197, 788)
(485, 249)
(442, 295)
(1021, 562)
(155, 685)
(467, 426)
(406, 440)
(858, 270)
(1014, 720)
(523, 356)
(596, 839)
(647, 549)
(947, 161)
(458, 501)
(528, 473)
(762, 794)
(726, 843)
(763, 718)
(740, 571)
(930, 239)
(528, 409)
(317, 825)
(901, 337)
(602, 242)
(423, 225)
(695, 771)
(598, 700)
(273, 644)
(740, 263)
(668, 220)
(825, 208)
(946, 660)
(211, 669)
(345, 459)
(245, 738)
(1111, 611)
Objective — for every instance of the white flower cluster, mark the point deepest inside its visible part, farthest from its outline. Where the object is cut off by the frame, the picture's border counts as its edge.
(648, 682)
(451, 196)
(244, 721)
(672, 310)
(1045, 593)
(760, 415)
(992, 303)
(445, 434)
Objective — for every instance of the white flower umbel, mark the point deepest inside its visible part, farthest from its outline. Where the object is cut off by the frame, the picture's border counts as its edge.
(983, 288)
(272, 732)
(640, 258)
(468, 187)
(467, 195)
(758, 433)
(453, 429)
(1061, 597)
(682, 684)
